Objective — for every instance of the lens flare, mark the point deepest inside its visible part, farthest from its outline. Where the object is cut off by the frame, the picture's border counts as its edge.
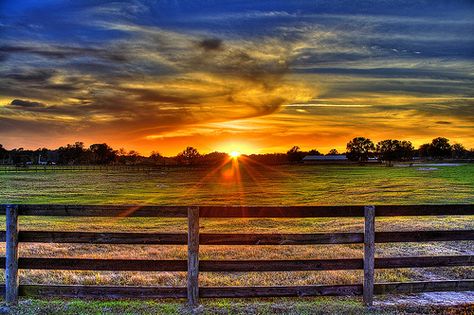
(234, 154)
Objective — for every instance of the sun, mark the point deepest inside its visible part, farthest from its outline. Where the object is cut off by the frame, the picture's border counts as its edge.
(234, 154)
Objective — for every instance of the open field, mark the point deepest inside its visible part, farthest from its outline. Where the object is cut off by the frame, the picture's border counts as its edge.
(289, 186)
(246, 184)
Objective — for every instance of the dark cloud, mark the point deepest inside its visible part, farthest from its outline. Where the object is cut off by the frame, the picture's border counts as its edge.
(37, 75)
(398, 86)
(65, 52)
(25, 103)
(148, 95)
(211, 44)
(419, 73)
(442, 122)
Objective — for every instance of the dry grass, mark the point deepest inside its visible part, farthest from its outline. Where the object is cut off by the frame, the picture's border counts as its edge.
(239, 252)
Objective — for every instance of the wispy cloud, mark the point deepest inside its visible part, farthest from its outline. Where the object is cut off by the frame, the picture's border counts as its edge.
(141, 73)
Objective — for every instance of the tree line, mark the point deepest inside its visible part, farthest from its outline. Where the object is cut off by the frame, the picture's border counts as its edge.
(359, 149)
(362, 149)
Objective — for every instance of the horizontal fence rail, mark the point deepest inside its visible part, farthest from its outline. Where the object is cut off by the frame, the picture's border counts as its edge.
(238, 239)
(239, 265)
(193, 266)
(238, 211)
(127, 292)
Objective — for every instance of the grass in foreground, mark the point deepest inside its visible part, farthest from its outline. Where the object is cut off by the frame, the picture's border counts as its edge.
(239, 252)
(321, 305)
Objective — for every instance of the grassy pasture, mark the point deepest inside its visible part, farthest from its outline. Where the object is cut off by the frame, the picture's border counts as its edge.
(293, 306)
(292, 186)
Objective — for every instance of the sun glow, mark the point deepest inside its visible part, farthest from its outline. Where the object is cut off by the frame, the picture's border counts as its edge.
(234, 154)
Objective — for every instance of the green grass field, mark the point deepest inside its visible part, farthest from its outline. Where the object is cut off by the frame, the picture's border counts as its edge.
(294, 185)
(247, 184)
(293, 306)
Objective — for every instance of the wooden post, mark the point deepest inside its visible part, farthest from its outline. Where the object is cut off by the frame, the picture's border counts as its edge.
(193, 256)
(369, 254)
(11, 255)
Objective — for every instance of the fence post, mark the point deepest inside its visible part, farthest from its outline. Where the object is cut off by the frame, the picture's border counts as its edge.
(193, 256)
(369, 254)
(11, 255)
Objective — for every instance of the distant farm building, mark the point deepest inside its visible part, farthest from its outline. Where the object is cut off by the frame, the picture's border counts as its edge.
(337, 158)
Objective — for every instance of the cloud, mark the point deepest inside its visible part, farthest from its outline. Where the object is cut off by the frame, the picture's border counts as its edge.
(62, 52)
(134, 70)
(166, 83)
(32, 75)
(25, 103)
(210, 44)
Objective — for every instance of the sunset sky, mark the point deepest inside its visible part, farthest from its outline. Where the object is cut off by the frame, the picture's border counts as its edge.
(252, 76)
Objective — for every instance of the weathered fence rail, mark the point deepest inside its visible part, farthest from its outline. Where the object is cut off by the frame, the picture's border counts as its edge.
(193, 266)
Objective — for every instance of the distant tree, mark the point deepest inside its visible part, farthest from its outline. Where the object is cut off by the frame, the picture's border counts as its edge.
(133, 157)
(21, 156)
(3, 153)
(268, 158)
(41, 155)
(121, 156)
(360, 149)
(314, 152)
(407, 150)
(156, 158)
(189, 156)
(394, 150)
(214, 158)
(129, 158)
(295, 154)
(458, 151)
(102, 153)
(424, 150)
(440, 148)
(73, 154)
(333, 152)
(155, 155)
(388, 151)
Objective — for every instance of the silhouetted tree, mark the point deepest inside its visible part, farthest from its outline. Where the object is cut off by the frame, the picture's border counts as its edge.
(424, 150)
(333, 152)
(440, 148)
(42, 155)
(133, 157)
(295, 154)
(268, 158)
(214, 158)
(394, 150)
(189, 156)
(3, 154)
(72, 154)
(407, 150)
(314, 152)
(102, 153)
(360, 149)
(458, 151)
(157, 158)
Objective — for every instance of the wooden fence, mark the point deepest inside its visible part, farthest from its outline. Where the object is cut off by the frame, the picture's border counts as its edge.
(193, 266)
(87, 168)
